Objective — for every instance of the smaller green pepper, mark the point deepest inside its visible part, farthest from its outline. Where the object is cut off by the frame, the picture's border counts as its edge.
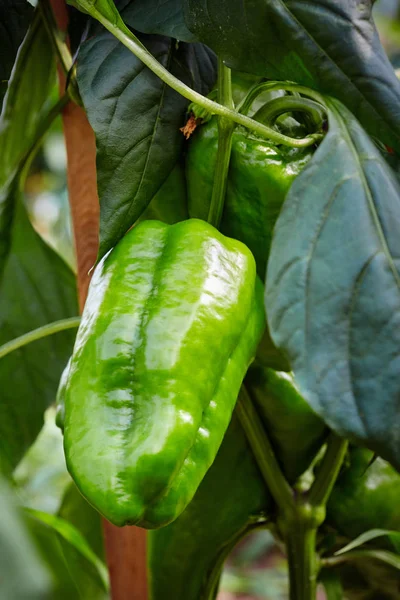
(295, 431)
(366, 496)
(260, 175)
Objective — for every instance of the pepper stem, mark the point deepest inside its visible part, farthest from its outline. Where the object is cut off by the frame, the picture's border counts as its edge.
(38, 334)
(302, 560)
(225, 131)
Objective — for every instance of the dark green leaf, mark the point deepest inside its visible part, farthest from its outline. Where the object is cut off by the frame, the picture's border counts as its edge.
(166, 18)
(15, 16)
(77, 511)
(77, 572)
(136, 119)
(28, 100)
(36, 287)
(329, 45)
(333, 286)
(23, 575)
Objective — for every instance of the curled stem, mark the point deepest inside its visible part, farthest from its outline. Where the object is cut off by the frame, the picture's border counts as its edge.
(126, 37)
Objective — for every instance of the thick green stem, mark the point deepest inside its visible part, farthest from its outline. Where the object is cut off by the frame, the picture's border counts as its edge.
(38, 334)
(225, 131)
(302, 560)
(264, 454)
(126, 37)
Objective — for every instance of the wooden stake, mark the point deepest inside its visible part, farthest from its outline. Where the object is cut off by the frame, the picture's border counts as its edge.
(125, 547)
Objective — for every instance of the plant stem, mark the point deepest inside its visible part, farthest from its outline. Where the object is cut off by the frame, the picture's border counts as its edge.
(126, 37)
(264, 454)
(328, 471)
(38, 334)
(302, 560)
(225, 131)
(272, 86)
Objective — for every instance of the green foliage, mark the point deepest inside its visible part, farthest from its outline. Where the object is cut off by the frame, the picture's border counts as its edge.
(306, 42)
(23, 575)
(36, 286)
(332, 297)
(77, 571)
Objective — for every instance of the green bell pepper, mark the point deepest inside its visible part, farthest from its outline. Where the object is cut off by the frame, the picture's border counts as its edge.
(366, 496)
(295, 431)
(260, 175)
(185, 558)
(172, 321)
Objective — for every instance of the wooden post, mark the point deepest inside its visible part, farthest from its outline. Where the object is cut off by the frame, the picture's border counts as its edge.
(125, 547)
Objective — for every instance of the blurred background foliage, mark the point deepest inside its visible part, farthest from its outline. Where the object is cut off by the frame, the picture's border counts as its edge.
(256, 569)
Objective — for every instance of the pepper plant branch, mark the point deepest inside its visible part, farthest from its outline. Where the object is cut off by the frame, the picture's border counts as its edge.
(329, 470)
(225, 131)
(126, 37)
(302, 561)
(264, 454)
(38, 334)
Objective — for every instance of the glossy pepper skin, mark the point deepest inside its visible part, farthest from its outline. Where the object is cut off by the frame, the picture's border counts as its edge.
(294, 430)
(366, 496)
(172, 321)
(186, 557)
(260, 175)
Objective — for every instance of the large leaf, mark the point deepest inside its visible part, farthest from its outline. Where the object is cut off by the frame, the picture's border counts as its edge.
(36, 287)
(23, 575)
(77, 572)
(329, 45)
(15, 16)
(136, 119)
(333, 286)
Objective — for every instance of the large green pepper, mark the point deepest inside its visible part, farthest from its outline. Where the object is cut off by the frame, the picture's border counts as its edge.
(186, 557)
(366, 496)
(295, 431)
(260, 175)
(172, 321)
